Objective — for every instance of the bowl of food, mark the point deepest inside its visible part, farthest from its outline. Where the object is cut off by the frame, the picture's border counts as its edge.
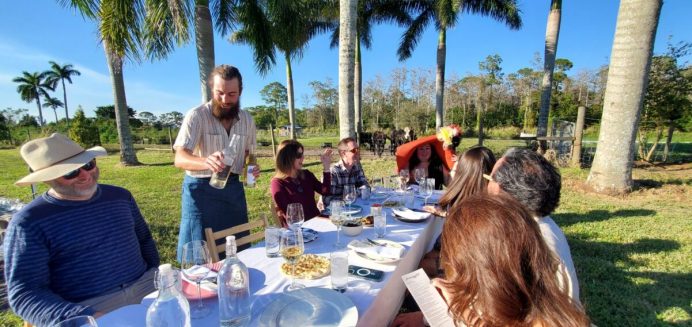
(353, 227)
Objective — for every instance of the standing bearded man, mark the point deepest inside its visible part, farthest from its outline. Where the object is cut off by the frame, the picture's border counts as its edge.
(205, 132)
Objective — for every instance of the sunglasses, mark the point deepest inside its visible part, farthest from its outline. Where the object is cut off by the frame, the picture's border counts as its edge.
(299, 155)
(87, 167)
(354, 150)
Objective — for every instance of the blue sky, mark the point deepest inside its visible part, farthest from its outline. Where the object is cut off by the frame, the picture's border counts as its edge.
(36, 31)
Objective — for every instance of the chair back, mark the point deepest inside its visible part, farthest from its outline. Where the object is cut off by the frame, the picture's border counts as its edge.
(212, 236)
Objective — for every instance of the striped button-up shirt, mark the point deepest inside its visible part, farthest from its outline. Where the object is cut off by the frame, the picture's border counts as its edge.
(204, 134)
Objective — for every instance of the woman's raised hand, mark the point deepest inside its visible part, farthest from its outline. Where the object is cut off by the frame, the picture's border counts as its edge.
(326, 158)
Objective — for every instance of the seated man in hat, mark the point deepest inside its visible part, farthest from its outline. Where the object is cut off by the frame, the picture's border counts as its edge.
(81, 248)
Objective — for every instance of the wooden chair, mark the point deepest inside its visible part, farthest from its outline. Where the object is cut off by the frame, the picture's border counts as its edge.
(27, 324)
(212, 236)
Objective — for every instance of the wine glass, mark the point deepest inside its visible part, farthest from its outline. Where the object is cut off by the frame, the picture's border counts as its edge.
(404, 176)
(428, 189)
(295, 216)
(195, 265)
(78, 321)
(350, 195)
(292, 248)
(420, 174)
(337, 219)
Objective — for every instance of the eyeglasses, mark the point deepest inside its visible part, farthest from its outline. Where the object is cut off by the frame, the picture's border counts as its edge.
(87, 167)
(488, 177)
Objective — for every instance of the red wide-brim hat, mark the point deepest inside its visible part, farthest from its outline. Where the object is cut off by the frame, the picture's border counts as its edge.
(406, 150)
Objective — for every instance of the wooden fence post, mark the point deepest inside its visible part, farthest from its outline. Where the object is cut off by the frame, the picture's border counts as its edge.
(578, 132)
(271, 130)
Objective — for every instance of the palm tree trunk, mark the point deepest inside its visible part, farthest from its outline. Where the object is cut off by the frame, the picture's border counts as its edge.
(64, 98)
(40, 111)
(669, 139)
(627, 79)
(55, 112)
(128, 157)
(552, 33)
(289, 91)
(204, 40)
(440, 78)
(358, 86)
(347, 41)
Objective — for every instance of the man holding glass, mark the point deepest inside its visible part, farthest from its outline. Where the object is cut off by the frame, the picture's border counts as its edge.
(204, 133)
(81, 248)
(346, 171)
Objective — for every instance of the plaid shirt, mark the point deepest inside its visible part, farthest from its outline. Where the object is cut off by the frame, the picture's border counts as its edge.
(341, 176)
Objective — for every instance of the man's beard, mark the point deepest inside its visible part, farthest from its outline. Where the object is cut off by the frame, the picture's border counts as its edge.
(222, 113)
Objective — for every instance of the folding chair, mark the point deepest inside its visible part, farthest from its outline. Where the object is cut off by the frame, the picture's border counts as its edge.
(212, 237)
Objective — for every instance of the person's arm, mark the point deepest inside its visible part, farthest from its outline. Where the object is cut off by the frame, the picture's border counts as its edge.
(324, 187)
(409, 319)
(360, 178)
(28, 280)
(184, 159)
(147, 245)
(281, 199)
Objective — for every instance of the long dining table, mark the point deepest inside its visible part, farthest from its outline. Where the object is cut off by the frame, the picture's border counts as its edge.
(377, 302)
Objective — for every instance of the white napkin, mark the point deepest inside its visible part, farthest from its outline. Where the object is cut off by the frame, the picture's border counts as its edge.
(208, 283)
(387, 252)
(410, 214)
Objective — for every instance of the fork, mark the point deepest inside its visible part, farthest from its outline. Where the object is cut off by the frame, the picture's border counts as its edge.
(374, 243)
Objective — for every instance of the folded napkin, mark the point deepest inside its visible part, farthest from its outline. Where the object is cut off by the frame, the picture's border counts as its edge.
(209, 282)
(409, 214)
(383, 251)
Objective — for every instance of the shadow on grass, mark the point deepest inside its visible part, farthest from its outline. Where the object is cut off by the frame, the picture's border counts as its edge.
(158, 164)
(616, 292)
(642, 184)
(567, 219)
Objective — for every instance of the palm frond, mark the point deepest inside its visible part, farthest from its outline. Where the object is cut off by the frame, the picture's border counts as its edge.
(165, 26)
(506, 11)
(225, 14)
(409, 40)
(120, 27)
(88, 8)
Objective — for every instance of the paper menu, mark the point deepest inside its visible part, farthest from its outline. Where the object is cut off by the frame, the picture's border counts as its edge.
(429, 300)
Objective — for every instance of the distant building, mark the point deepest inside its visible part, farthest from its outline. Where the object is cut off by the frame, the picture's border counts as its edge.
(285, 130)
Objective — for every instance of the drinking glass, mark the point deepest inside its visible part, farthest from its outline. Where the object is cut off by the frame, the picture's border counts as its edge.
(379, 221)
(350, 194)
(420, 174)
(295, 216)
(78, 321)
(272, 236)
(428, 189)
(336, 218)
(339, 270)
(404, 176)
(195, 265)
(292, 249)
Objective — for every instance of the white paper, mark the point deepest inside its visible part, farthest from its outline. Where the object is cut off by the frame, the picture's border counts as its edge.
(429, 300)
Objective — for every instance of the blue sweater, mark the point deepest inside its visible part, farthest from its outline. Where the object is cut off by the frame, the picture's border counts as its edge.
(60, 252)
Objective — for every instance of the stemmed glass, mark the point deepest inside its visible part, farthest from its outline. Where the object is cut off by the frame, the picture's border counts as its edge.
(350, 195)
(420, 174)
(78, 321)
(195, 265)
(429, 186)
(295, 216)
(292, 248)
(404, 176)
(337, 219)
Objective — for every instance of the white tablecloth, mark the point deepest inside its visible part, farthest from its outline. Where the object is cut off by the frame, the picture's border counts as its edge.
(377, 302)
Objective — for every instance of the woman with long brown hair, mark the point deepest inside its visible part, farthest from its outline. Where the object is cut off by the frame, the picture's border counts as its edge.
(498, 269)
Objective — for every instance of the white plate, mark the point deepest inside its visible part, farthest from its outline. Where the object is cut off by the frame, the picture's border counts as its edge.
(352, 210)
(379, 259)
(310, 307)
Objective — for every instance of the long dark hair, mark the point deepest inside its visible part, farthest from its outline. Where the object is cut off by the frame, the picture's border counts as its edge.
(434, 165)
(499, 270)
(285, 157)
(468, 180)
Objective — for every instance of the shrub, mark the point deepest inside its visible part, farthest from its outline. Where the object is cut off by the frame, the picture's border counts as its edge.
(503, 133)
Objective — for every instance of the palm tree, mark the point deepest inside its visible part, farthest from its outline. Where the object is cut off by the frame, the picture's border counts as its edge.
(62, 73)
(630, 61)
(32, 87)
(347, 44)
(124, 28)
(54, 104)
(369, 12)
(444, 13)
(283, 25)
(552, 33)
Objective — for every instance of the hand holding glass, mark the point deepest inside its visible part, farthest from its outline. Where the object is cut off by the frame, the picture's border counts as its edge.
(292, 249)
(195, 265)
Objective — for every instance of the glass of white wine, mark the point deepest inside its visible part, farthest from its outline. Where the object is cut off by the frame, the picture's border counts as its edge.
(292, 249)
(337, 219)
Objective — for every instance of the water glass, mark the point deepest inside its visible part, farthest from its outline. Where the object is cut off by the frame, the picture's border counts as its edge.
(339, 270)
(272, 236)
(403, 179)
(380, 224)
(78, 321)
(365, 192)
(420, 174)
(294, 216)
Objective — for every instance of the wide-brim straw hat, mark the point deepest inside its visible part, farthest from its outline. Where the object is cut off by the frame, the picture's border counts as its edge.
(54, 156)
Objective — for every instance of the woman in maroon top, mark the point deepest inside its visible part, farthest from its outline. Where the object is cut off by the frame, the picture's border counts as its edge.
(293, 184)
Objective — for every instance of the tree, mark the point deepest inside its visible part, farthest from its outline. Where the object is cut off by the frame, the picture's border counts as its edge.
(493, 76)
(147, 118)
(28, 121)
(444, 13)
(283, 25)
(347, 44)
(552, 33)
(62, 73)
(635, 32)
(275, 95)
(32, 87)
(83, 131)
(54, 104)
(108, 112)
(121, 30)
(171, 119)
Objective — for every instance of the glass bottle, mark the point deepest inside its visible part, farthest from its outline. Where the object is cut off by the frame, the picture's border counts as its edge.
(250, 169)
(234, 289)
(170, 308)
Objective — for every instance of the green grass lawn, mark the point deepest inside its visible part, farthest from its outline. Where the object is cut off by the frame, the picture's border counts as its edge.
(633, 254)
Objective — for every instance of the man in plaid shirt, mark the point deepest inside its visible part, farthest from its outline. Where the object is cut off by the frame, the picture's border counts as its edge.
(346, 171)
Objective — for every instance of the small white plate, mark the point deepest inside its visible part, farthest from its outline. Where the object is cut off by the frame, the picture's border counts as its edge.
(379, 259)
